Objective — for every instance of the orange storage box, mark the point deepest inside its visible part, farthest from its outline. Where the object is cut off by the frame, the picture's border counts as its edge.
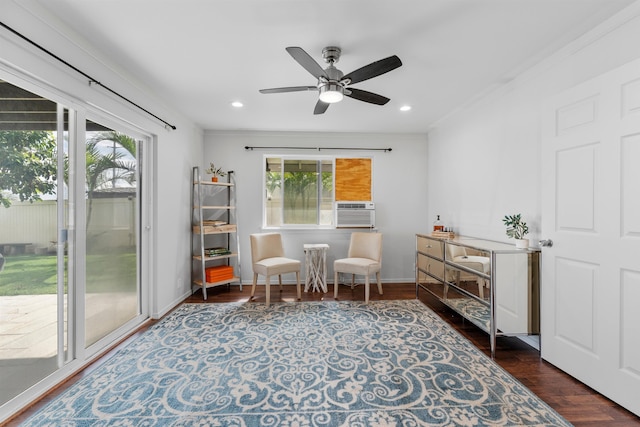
(219, 273)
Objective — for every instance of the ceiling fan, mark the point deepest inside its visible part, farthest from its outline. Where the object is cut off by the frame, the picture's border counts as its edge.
(332, 84)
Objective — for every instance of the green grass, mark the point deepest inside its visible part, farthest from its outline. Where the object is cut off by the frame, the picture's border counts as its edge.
(37, 274)
(28, 275)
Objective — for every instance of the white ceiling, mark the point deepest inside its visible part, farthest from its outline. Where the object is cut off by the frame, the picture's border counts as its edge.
(200, 55)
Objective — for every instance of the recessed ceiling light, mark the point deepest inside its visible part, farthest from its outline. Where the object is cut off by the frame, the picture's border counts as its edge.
(237, 104)
(405, 108)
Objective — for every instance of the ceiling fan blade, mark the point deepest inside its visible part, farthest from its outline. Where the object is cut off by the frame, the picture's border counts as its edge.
(321, 107)
(306, 61)
(363, 95)
(289, 89)
(373, 70)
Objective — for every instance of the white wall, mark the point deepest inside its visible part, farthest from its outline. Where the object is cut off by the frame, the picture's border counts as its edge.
(484, 160)
(175, 151)
(399, 191)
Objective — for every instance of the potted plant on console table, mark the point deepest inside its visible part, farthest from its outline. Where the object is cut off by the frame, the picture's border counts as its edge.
(517, 229)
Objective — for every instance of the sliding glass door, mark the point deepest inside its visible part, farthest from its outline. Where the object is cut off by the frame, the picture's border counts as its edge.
(69, 238)
(34, 221)
(112, 295)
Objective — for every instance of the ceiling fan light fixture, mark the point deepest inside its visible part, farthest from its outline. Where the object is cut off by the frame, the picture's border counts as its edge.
(332, 84)
(331, 92)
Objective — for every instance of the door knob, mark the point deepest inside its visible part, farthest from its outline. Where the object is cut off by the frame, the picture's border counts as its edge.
(546, 243)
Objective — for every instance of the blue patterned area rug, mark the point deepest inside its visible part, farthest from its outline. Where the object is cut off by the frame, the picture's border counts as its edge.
(386, 363)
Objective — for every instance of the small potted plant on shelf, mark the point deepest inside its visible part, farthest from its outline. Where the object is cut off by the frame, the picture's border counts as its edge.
(517, 229)
(216, 172)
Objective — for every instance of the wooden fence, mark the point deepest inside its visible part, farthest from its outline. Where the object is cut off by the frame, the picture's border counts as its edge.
(112, 224)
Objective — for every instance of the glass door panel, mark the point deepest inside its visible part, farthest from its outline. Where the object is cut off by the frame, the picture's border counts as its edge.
(33, 222)
(112, 294)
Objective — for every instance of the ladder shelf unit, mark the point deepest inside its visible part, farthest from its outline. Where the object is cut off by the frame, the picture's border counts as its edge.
(214, 233)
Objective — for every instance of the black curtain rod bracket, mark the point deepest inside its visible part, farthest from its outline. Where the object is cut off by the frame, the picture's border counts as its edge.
(249, 148)
(92, 81)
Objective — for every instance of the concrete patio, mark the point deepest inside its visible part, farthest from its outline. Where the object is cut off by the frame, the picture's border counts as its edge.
(28, 323)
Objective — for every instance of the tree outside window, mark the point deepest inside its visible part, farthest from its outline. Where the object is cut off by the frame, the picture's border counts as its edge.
(299, 191)
(27, 165)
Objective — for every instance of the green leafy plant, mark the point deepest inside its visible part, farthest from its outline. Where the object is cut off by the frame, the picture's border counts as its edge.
(516, 227)
(27, 166)
(213, 170)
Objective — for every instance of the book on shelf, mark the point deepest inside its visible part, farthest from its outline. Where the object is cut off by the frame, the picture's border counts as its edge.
(213, 222)
(216, 251)
(215, 228)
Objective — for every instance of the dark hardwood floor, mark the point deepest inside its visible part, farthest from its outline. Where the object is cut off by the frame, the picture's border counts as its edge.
(576, 402)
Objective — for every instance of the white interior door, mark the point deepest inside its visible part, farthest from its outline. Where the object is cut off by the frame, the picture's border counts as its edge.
(590, 316)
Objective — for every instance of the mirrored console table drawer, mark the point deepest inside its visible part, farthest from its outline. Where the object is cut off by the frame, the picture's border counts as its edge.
(434, 248)
(431, 266)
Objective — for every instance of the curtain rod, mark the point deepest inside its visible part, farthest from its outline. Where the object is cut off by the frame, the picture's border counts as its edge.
(317, 148)
(91, 79)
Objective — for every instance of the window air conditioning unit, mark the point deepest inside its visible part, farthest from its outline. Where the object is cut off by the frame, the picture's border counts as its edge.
(355, 214)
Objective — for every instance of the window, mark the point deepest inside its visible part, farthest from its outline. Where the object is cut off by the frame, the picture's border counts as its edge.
(299, 191)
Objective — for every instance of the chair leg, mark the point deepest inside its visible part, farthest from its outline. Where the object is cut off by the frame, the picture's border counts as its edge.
(353, 281)
(298, 285)
(379, 283)
(335, 285)
(480, 287)
(366, 288)
(267, 289)
(253, 287)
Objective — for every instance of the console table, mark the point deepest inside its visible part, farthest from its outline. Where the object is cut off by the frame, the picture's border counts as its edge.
(450, 269)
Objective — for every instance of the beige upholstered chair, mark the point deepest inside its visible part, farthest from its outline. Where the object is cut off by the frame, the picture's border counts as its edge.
(458, 254)
(364, 257)
(267, 259)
